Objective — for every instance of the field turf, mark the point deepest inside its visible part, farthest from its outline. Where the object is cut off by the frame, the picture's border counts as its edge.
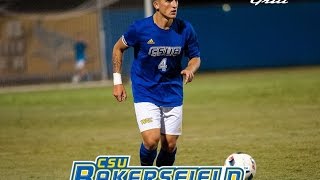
(271, 114)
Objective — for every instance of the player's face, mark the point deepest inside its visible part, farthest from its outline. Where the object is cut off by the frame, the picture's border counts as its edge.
(167, 8)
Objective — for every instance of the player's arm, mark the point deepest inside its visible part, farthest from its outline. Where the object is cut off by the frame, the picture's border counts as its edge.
(191, 69)
(119, 91)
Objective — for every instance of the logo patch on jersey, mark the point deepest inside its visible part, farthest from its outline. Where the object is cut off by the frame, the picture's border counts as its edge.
(164, 51)
(151, 41)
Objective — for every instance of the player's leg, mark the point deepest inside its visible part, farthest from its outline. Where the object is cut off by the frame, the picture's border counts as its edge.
(167, 154)
(83, 72)
(78, 68)
(148, 149)
(171, 128)
(148, 119)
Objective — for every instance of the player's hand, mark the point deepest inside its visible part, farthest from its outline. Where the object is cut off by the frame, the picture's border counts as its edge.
(119, 92)
(188, 75)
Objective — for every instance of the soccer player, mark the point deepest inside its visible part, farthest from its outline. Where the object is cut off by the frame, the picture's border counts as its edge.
(80, 47)
(159, 43)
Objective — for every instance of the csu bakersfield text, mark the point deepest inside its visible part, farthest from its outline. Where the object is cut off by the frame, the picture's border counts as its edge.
(117, 168)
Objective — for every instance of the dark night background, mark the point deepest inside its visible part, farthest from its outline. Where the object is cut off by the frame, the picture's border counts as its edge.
(61, 5)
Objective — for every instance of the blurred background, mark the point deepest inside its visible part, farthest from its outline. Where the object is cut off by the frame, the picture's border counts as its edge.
(37, 36)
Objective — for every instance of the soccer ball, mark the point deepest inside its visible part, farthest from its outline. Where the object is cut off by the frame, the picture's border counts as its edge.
(243, 160)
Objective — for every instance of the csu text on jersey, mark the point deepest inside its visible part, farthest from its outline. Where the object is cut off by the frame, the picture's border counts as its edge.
(164, 51)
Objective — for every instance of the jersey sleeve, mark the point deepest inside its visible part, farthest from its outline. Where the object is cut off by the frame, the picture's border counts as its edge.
(192, 46)
(129, 37)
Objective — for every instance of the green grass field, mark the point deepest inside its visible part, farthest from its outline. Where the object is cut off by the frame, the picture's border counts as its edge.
(273, 115)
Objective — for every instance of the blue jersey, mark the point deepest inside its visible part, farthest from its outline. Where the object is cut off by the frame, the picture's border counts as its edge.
(158, 53)
(80, 48)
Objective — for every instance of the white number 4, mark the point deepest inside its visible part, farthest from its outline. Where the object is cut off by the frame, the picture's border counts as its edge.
(163, 65)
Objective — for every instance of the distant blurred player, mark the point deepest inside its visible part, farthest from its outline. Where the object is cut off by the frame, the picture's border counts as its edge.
(159, 43)
(80, 47)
